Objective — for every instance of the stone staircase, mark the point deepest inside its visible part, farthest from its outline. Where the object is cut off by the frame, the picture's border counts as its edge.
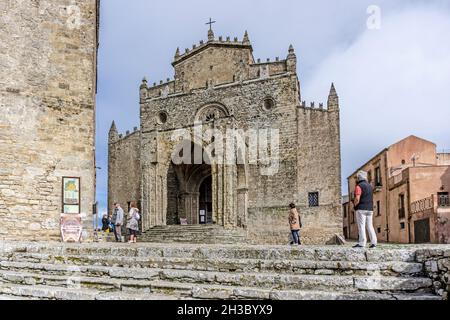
(197, 234)
(170, 271)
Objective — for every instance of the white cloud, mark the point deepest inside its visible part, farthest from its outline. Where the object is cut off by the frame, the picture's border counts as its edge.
(392, 83)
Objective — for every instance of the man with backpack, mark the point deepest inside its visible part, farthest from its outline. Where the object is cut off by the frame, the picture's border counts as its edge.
(363, 203)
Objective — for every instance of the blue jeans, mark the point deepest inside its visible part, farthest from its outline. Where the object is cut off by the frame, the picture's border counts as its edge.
(296, 236)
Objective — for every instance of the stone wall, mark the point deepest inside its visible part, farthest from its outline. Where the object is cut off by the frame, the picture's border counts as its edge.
(47, 97)
(124, 171)
(437, 267)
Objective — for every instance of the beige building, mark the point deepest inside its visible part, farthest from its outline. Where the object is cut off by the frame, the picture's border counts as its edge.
(48, 62)
(411, 193)
(219, 85)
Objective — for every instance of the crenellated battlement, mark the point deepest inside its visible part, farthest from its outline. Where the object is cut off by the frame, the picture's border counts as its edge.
(115, 136)
(216, 62)
(332, 105)
(201, 45)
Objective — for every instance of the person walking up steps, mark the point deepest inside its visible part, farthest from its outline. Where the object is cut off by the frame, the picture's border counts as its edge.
(363, 203)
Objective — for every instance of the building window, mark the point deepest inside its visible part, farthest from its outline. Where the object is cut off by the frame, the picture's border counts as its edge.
(378, 180)
(379, 229)
(268, 104)
(402, 225)
(369, 176)
(378, 208)
(162, 117)
(443, 199)
(345, 211)
(401, 206)
(313, 198)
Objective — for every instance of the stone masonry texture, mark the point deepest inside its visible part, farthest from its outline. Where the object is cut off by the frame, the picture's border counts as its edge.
(220, 85)
(48, 53)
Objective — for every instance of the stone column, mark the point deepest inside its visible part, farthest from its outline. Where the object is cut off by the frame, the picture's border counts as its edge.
(218, 190)
(242, 207)
(229, 196)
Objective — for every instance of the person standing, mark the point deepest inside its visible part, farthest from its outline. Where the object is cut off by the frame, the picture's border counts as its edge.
(118, 221)
(363, 204)
(133, 223)
(295, 223)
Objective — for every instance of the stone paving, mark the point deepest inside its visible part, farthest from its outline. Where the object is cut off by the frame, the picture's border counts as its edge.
(151, 271)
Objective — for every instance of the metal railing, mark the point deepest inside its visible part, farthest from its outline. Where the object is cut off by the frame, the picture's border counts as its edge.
(444, 201)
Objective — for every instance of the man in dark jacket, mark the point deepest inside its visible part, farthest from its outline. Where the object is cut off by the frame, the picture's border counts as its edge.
(364, 211)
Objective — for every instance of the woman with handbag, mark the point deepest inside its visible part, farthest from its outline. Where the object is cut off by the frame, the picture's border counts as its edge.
(133, 223)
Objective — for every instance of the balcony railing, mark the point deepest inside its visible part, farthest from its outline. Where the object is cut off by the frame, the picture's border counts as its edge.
(422, 205)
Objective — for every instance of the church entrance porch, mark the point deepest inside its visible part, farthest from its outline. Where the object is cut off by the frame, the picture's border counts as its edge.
(185, 187)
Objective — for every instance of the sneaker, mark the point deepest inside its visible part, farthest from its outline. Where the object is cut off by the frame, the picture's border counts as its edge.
(373, 246)
(357, 246)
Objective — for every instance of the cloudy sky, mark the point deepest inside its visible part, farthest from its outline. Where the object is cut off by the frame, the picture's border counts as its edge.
(393, 81)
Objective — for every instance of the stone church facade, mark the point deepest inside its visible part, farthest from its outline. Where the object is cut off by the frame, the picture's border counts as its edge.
(48, 59)
(219, 87)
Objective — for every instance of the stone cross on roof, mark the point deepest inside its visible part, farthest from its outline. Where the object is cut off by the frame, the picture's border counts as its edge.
(210, 23)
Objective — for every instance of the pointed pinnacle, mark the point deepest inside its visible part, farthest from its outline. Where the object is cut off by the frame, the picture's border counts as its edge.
(113, 126)
(333, 90)
(246, 38)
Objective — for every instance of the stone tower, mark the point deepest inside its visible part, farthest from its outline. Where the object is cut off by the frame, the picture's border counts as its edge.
(48, 62)
(219, 86)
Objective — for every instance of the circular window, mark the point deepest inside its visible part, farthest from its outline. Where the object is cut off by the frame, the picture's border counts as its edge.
(268, 104)
(162, 118)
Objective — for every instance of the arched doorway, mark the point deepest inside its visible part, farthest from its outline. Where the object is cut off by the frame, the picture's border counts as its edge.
(190, 189)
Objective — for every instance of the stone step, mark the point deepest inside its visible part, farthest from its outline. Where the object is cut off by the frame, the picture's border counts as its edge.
(228, 265)
(217, 252)
(191, 235)
(4, 297)
(41, 292)
(200, 238)
(172, 291)
(110, 278)
(201, 234)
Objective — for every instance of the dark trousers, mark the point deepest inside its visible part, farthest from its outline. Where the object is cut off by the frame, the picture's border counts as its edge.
(118, 233)
(296, 236)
